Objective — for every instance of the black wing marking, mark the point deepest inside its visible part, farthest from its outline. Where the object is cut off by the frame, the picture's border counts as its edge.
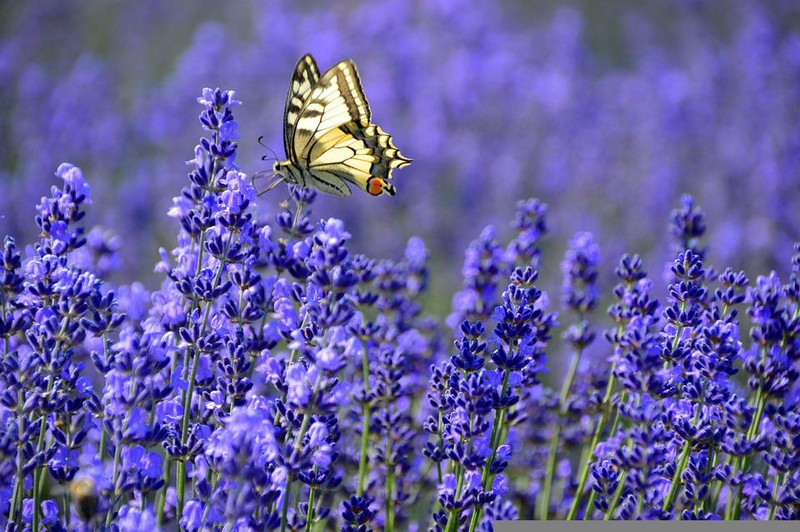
(305, 77)
(328, 182)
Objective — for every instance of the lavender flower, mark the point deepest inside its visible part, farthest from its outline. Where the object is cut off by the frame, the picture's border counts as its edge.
(469, 434)
(270, 377)
(579, 294)
(635, 360)
(484, 262)
(51, 399)
(357, 514)
(687, 226)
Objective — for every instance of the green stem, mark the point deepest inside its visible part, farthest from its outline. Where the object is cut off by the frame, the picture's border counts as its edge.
(16, 493)
(161, 500)
(207, 509)
(114, 480)
(715, 497)
(389, 483)
(180, 485)
(589, 506)
(437, 506)
(38, 473)
(677, 338)
(310, 512)
(363, 460)
(260, 336)
(676, 478)
(181, 472)
(710, 466)
(67, 503)
(773, 500)
(298, 443)
(35, 501)
(733, 508)
(453, 517)
(101, 451)
(187, 402)
(285, 508)
(598, 431)
(611, 433)
(19, 482)
(187, 399)
(640, 501)
(494, 443)
(615, 499)
(552, 456)
(441, 446)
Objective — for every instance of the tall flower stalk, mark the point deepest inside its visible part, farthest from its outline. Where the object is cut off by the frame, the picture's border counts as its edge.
(522, 331)
(212, 212)
(580, 295)
(633, 341)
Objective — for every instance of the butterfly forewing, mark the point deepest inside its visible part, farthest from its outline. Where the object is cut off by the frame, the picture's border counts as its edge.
(337, 99)
(305, 77)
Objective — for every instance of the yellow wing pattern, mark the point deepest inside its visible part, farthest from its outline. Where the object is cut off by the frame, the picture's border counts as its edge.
(328, 137)
(335, 100)
(364, 156)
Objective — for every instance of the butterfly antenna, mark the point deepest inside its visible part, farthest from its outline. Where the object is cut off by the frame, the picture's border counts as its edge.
(265, 158)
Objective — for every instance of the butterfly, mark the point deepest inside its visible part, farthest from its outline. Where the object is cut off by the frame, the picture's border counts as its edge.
(328, 135)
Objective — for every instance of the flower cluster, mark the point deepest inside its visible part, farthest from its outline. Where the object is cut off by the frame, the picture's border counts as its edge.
(275, 379)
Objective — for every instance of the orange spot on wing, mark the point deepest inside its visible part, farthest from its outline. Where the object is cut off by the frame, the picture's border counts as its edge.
(375, 186)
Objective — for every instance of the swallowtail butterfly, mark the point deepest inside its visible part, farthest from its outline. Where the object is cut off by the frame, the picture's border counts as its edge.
(327, 134)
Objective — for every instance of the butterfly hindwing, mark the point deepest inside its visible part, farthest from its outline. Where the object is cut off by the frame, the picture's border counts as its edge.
(362, 155)
(304, 79)
(328, 182)
(336, 99)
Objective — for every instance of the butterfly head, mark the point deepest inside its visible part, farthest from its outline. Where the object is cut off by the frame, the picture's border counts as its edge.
(288, 172)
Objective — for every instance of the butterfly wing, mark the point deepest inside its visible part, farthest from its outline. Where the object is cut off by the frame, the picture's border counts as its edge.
(305, 77)
(328, 133)
(328, 182)
(362, 155)
(335, 100)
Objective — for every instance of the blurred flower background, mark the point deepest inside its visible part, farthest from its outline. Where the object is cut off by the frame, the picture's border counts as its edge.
(285, 367)
(607, 113)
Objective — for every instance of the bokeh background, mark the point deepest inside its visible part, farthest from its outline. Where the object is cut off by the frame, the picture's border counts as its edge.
(607, 111)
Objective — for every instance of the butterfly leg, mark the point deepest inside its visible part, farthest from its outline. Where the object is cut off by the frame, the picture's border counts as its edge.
(275, 183)
(280, 179)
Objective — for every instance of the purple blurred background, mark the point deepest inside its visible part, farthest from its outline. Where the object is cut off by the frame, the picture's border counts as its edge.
(608, 113)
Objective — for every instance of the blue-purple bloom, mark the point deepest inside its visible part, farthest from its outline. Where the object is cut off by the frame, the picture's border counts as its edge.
(274, 378)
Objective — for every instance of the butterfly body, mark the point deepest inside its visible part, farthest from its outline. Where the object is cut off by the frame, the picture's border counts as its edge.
(328, 138)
